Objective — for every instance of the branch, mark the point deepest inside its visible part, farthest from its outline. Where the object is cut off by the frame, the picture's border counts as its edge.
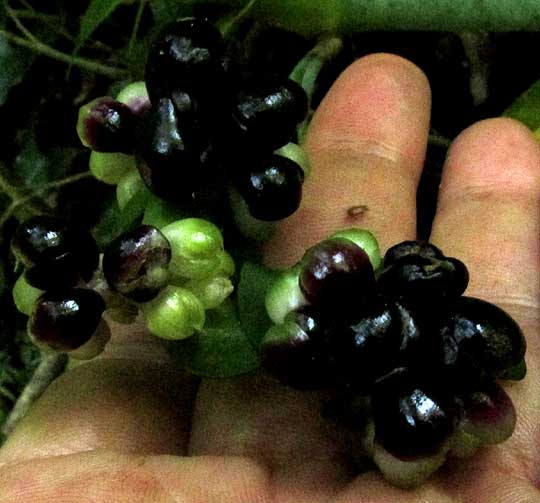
(51, 366)
(310, 17)
(41, 48)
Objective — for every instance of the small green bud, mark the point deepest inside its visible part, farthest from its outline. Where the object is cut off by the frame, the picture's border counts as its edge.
(25, 295)
(365, 240)
(284, 295)
(176, 313)
(226, 265)
(296, 153)
(111, 167)
(196, 246)
(127, 187)
(211, 291)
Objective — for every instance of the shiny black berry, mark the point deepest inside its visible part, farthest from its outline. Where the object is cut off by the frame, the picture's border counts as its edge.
(135, 264)
(297, 352)
(187, 55)
(415, 276)
(170, 152)
(337, 277)
(412, 419)
(422, 248)
(271, 186)
(370, 347)
(55, 254)
(65, 320)
(480, 339)
(106, 125)
(265, 114)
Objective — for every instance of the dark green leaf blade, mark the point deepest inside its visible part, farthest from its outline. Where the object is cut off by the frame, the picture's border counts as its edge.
(254, 282)
(98, 11)
(526, 108)
(220, 350)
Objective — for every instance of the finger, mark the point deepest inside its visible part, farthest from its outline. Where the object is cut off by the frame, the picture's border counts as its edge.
(367, 144)
(488, 215)
(107, 476)
(129, 400)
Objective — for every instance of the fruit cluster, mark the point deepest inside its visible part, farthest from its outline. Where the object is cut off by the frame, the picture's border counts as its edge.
(410, 362)
(199, 131)
(172, 276)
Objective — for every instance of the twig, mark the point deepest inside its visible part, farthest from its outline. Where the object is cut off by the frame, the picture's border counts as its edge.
(50, 367)
(41, 48)
(136, 25)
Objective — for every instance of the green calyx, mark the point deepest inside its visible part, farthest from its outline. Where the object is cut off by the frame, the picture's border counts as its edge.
(365, 240)
(25, 295)
(284, 295)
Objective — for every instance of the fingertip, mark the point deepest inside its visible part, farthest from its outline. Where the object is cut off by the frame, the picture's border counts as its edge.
(499, 153)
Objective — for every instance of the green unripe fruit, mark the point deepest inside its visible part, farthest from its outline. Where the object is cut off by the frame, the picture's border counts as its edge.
(127, 187)
(210, 291)
(296, 153)
(25, 295)
(176, 313)
(110, 167)
(284, 295)
(226, 265)
(196, 246)
(365, 240)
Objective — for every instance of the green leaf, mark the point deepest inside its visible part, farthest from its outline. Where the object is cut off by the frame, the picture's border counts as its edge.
(35, 167)
(98, 11)
(526, 108)
(14, 63)
(220, 350)
(254, 282)
(167, 10)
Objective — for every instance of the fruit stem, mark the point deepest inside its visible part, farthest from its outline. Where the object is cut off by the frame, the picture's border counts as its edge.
(50, 367)
(229, 23)
(136, 25)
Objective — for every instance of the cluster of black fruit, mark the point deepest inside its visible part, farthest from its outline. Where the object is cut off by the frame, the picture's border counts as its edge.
(59, 261)
(207, 126)
(421, 358)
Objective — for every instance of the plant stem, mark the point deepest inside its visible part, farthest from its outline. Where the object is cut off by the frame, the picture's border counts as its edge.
(136, 25)
(41, 48)
(51, 366)
(310, 17)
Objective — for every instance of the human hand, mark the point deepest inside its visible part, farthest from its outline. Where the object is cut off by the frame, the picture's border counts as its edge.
(127, 427)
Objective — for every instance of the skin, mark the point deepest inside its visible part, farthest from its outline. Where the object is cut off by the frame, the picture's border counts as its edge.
(125, 427)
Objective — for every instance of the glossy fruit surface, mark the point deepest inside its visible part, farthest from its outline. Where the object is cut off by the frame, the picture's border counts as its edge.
(369, 348)
(65, 320)
(416, 276)
(135, 264)
(411, 420)
(106, 125)
(296, 352)
(169, 152)
(337, 276)
(271, 187)
(187, 55)
(422, 248)
(480, 338)
(54, 253)
(265, 114)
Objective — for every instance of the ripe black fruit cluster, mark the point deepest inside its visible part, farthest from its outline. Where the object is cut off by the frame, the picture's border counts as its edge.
(59, 261)
(403, 341)
(205, 126)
